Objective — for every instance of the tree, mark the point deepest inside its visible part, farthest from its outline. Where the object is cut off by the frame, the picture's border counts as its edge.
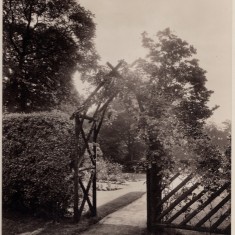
(44, 42)
(170, 89)
(179, 78)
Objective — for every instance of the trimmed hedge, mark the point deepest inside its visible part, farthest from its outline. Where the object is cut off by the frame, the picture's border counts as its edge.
(37, 150)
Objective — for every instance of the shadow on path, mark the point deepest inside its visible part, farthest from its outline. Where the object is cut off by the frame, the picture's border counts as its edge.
(118, 203)
(127, 220)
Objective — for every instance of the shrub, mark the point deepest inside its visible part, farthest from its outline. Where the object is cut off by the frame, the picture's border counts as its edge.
(37, 150)
(108, 171)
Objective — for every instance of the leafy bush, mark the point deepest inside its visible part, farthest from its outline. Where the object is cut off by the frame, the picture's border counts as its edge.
(108, 171)
(37, 150)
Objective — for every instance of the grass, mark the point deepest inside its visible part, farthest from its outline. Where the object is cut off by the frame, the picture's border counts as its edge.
(17, 224)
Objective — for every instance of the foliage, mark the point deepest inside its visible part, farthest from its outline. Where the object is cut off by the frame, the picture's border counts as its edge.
(167, 100)
(219, 136)
(119, 137)
(213, 164)
(44, 43)
(108, 171)
(37, 150)
(177, 78)
(166, 95)
(169, 89)
(213, 155)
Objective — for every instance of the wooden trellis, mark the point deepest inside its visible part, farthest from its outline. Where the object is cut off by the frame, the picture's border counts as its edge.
(86, 144)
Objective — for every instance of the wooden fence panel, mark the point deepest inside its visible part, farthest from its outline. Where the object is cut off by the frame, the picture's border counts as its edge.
(187, 201)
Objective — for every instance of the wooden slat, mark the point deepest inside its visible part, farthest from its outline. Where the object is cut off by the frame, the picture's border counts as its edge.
(171, 180)
(202, 206)
(86, 168)
(114, 69)
(213, 211)
(85, 194)
(81, 156)
(87, 146)
(178, 200)
(89, 98)
(107, 102)
(174, 177)
(183, 209)
(185, 181)
(221, 219)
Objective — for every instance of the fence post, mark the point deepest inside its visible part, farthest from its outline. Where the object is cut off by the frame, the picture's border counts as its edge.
(94, 198)
(153, 195)
(75, 176)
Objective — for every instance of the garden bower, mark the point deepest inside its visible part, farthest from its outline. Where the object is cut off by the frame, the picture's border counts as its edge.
(37, 151)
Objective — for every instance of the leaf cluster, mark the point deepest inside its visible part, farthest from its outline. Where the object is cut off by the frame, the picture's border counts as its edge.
(37, 149)
(44, 43)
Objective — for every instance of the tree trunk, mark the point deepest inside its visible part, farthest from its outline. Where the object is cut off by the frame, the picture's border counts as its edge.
(23, 107)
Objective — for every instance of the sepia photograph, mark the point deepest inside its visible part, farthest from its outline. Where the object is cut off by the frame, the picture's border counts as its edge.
(116, 117)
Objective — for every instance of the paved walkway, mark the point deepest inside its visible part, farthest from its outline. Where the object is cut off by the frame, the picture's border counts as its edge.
(130, 220)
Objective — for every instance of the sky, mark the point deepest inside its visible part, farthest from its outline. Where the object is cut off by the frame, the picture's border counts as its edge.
(205, 24)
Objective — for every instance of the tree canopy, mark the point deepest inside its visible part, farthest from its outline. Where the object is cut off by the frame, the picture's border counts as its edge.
(44, 42)
(176, 77)
(167, 93)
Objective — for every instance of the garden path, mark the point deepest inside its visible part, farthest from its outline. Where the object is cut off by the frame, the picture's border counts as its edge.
(128, 220)
(104, 197)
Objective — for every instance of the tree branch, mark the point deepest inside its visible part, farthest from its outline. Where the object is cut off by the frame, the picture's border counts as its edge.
(10, 29)
(27, 31)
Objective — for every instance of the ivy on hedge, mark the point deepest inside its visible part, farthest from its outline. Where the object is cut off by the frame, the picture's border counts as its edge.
(37, 149)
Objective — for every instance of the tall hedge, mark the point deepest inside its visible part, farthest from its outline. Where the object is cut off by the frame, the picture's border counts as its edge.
(37, 149)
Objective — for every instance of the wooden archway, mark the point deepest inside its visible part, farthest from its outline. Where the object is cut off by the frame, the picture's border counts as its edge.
(86, 143)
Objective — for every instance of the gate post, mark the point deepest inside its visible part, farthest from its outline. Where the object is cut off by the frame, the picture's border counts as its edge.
(154, 195)
(94, 195)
